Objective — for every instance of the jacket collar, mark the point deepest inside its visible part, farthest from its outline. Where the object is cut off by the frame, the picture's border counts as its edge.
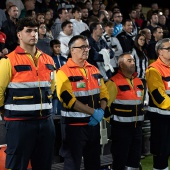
(71, 63)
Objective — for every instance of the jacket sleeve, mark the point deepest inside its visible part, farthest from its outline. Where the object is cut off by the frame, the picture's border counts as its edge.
(112, 90)
(157, 89)
(5, 77)
(64, 90)
(104, 95)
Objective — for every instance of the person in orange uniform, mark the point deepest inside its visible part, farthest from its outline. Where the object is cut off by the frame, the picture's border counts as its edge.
(26, 85)
(81, 89)
(157, 77)
(126, 110)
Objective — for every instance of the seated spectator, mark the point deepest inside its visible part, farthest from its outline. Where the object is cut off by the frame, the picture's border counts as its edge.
(100, 53)
(28, 5)
(95, 8)
(56, 27)
(117, 20)
(64, 37)
(78, 25)
(9, 28)
(59, 61)
(18, 3)
(40, 17)
(112, 42)
(84, 14)
(43, 43)
(126, 37)
(31, 13)
(2, 17)
(157, 35)
(147, 33)
(162, 23)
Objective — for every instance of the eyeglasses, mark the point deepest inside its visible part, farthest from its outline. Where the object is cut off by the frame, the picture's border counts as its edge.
(168, 49)
(83, 47)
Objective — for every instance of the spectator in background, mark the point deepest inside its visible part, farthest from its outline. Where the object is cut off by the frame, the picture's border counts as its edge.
(126, 37)
(95, 8)
(103, 16)
(28, 5)
(154, 9)
(162, 23)
(153, 22)
(78, 25)
(100, 53)
(147, 34)
(132, 16)
(157, 35)
(139, 20)
(112, 42)
(167, 15)
(2, 17)
(48, 19)
(84, 14)
(18, 3)
(59, 61)
(31, 13)
(43, 43)
(9, 28)
(56, 27)
(64, 37)
(67, 4)
(88, 5)
(117, 19)
(40, 17)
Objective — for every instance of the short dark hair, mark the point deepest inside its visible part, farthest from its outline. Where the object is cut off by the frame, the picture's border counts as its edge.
(26, 22)
(76, 9)
(156, 28)
(54, 42)
(74, 38)
(126, 20)
(93, 26)
(60, 11)
(65, 23)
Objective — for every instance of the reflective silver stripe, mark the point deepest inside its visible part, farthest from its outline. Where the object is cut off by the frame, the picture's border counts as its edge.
(128, 102)
(167, 91)
(29, 84)
(157, 110)
(128, 119)
(73, 114)
(86, 93)
(29, 107)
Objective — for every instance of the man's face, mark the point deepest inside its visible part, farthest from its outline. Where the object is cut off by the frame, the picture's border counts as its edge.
(28, 36)
(118, 18)
(154, 19)
(164, 53)
(96, 6)
(133, 14)
(68, 29)
(13, 12)
(128, 27)
(99, 30)
(109, 29)
(64, 15)
(162, 19)
(85, 13)
(81, 53)
(77, 15)
(128, 64)
(158, 34)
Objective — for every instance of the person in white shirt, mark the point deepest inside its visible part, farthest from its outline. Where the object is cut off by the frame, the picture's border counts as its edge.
(78, 25)
(64, 37)
(112, 42)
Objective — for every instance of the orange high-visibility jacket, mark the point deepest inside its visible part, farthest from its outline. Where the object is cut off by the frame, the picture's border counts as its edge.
(86, 89)
(127, 108)
(28, 94)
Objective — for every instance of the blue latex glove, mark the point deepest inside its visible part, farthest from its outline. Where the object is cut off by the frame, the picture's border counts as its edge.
(98, 114)
(93, 121)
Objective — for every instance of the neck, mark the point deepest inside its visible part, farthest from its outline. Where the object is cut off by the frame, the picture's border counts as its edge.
(29, 49)
(80, 63)
(40, 36)
(166, 61)
(96, 38)
(109, 34)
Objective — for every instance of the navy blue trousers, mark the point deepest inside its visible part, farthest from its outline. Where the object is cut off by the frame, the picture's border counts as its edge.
(30, 140)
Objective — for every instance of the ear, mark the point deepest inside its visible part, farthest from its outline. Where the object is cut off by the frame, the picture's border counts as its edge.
(19, 35)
